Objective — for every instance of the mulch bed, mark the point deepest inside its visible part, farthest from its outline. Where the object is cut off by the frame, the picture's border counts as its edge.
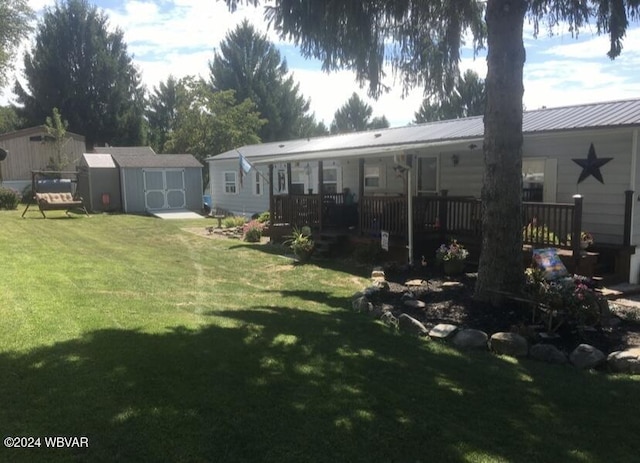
(450, 300)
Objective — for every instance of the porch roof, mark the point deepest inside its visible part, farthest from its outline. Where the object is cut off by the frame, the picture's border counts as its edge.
(394, 140)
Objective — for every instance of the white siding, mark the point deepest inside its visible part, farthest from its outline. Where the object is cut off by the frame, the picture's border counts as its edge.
(244, 201)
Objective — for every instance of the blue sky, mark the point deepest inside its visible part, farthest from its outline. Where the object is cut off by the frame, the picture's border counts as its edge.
(178, 37)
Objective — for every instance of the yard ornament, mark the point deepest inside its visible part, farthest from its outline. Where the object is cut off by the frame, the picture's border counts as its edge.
(591, 165)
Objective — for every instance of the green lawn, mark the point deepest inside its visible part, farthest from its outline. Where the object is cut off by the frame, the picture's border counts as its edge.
(162, 345)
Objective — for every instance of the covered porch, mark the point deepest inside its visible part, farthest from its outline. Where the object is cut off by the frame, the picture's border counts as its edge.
(418, 220)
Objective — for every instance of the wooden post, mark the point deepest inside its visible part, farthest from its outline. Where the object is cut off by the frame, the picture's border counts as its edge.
(320, 193)
(576, 230)
(360, 194)
(272, 211)
(289, 178)
(628, 209)
(442, 213)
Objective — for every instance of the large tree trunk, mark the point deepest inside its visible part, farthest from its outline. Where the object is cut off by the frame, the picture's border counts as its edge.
(501, 267)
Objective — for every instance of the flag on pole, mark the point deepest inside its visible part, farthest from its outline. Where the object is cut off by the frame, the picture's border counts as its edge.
(245, 167)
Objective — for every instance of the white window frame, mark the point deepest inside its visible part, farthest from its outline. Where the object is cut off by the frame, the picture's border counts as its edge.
(230, 185)
(337, 182)
(379, 175)
(258, 184)
(419, 188)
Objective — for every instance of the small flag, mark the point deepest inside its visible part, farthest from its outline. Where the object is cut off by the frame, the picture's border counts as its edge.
(245, 166)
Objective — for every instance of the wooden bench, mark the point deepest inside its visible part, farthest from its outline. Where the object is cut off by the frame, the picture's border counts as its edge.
(58, 202)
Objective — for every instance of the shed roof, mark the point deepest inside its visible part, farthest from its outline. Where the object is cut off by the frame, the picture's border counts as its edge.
(99, 161)
(156, 160)
(131, 150)
(37, 130)
(594, 115)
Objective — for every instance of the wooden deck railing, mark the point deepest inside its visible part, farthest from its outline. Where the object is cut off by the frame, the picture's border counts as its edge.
(544, 224)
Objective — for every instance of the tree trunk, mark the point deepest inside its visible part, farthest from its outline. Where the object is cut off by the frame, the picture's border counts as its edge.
(501, 266)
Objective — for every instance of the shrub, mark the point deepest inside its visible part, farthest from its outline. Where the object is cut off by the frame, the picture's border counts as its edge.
(233, 221)
(455, 251)
(9, 198)
(252, 231)
(264, 217)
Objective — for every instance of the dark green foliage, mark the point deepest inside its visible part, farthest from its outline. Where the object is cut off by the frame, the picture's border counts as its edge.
(355, 116)
(15, 16)
(79, 66)
(251, 66)
(9, 198)
(467, 99)
(162, 112)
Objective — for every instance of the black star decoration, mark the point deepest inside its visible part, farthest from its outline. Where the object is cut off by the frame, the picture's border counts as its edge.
(591, 165)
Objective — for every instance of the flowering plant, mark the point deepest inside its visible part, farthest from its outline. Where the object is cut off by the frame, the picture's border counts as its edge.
(454, 251)
(252, 231)
(573, 299)
(586, 237)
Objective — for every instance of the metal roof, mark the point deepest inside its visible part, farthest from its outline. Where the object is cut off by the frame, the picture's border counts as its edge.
(131, 150)
(156, 160)
(586, 116)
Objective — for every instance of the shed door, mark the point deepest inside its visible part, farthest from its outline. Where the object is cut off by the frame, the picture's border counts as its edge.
(164, 189)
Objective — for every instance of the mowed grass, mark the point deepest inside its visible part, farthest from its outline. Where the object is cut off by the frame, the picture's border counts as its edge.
(162, 345)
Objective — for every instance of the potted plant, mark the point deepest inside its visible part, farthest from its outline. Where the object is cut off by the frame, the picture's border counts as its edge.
(453, 257)
(301, 243)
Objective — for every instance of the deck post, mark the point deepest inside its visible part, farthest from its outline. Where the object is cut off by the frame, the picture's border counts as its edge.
(442, 213)
(272, 209)
(288, 178)
(320, 193)
(360, 194)
(628, 209)
(576, 230)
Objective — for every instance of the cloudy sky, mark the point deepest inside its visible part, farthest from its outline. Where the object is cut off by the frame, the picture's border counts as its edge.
(179, 36)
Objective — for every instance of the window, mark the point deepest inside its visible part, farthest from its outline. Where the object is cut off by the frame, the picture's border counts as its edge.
(230, 186)
(427, 175)
(372, 177)
(330, 180)
(533, 180)
(299, 180)
(257, 183)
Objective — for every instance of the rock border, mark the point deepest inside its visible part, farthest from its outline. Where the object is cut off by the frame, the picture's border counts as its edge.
(583, 357)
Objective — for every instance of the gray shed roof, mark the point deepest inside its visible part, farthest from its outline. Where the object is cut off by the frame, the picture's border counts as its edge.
(131, 150)
(156, 160)
(594, 115)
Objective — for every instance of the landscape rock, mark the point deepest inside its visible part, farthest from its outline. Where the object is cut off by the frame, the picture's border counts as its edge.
(511, 344)
(442, 331)
(388, 319)
(407, 296)
(585, 356)
(377, 273)
(548, 353)
(382, 285)
(409, 325)
(362, 304)
(470, 339)
(414, 283)
(415, 304)
(625, 361)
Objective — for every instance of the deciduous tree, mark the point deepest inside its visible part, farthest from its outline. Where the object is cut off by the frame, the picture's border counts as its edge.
(82, 67)
(421, 40)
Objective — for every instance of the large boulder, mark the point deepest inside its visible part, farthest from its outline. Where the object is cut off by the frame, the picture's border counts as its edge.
(470, 339)
(548, 353)
(625, 361)
(586, 356)
(512, 344)
(408, 324)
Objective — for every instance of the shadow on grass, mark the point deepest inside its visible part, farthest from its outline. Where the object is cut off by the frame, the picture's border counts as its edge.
(280, 384)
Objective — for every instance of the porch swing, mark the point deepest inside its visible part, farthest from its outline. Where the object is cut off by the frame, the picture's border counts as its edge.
(61, 195)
